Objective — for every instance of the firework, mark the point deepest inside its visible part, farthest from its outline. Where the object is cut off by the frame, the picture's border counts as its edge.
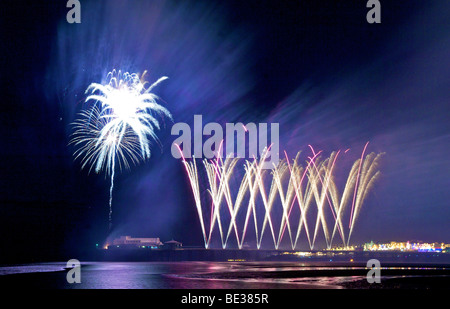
(117, 128)
(272, 200)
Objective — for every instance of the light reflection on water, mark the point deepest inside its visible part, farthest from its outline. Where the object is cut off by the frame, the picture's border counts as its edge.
(182, 275)
(32, 268)
(174, 275)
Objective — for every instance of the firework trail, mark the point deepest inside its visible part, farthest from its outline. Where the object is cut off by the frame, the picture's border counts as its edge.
(367, 178)
(312, 184)
(118, 127)
(191, 170)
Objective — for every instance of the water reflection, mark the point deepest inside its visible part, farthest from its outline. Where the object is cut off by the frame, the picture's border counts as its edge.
(191, 275)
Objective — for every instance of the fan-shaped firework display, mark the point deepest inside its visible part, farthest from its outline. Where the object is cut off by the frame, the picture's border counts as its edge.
(284, 202)
(117, 127)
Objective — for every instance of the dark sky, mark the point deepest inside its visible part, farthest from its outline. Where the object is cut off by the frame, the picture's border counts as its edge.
(316, 67)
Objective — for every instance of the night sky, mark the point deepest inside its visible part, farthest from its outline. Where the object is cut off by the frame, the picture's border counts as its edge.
(318, 68)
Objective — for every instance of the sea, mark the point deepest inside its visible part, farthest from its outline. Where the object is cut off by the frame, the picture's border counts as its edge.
(214, 275)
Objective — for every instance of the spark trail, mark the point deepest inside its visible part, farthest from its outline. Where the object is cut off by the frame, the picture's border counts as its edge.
(272, 200)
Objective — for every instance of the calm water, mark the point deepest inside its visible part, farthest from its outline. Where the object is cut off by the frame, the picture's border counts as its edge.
(193, 275)
(178, 275)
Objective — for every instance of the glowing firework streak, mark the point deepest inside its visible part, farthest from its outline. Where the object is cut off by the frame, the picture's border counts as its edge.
(278, 173)
(311, 185)
(356, 186)
(303, 199)
(367, 178)
(320, 199)
(118, 127)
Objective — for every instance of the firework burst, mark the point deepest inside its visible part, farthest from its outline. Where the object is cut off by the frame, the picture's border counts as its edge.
(119, 126)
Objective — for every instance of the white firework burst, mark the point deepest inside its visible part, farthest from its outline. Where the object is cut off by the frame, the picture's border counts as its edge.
(120, 125)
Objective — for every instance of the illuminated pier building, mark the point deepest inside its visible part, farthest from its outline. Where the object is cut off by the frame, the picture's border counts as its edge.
(129, 242)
